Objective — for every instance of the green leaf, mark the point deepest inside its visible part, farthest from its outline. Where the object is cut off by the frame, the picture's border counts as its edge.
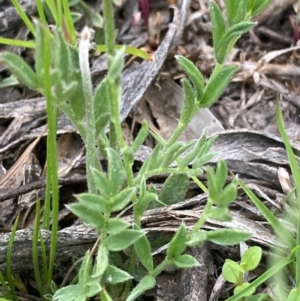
(186, 261)
(117, 2)
(9, 82)
(128, 49)
(94, 202)
(40, 40)
(142, 187)
(278, 227)
(145, 284)
(116, 171)
(116, 64)
(206, 146)
(236, 10)
(142, 205)
(213, 190)
(97, 20)
(94, 288)
(143, 250)
(220, 214)
(102, 183)
(228, 195)
(227, 236)
(258, 6)
(81, 297)
(231, 7)
(53, 287)
(101, 263)
(197, 239)
(85, 270)
(141, 136)
(243, 286)
(101, 107)
(170, 154)
(221, 174)
(294, 295)
(20, 69)
(193, 153)
(193, 72)
(177, 244)
(153, 161)
(63, 56)
(69, 293)
(123, 239)
(229, 39)
(218, 24)
(116, 225)
(101, 123)
(76, 101)
(188, 107)
(62, 90)
(251, 258)
(217, 84)
(203, 159)
(105, 296)
(87, 215)
(232, 272)
(121, 200)
(128, 155)
(75, 16)
(115, 275)
(174, 189)
(260, 297)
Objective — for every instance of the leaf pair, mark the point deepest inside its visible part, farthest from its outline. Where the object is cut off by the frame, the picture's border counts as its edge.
(223, 38)
(225, 237)
(177, 246)
(234, 272)
(196, 93)
(218, 194)
(89, 278)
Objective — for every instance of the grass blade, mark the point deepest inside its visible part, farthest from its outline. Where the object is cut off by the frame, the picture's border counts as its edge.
(273, 221)
(296, 175)
(23, 16)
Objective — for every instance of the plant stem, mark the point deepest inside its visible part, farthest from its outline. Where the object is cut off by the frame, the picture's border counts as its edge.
(114, 85)
(52, 168)
(109, 27)
(180, 128)
(203, 217)
(91, 156)
(114, 96)
(161, 267)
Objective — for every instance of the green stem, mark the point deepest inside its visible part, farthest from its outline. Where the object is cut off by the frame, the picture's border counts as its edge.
(109, 27)
(59, 13)
(160, 267)
(41, 12)
(35, 244)
(69, 22)
(154, 172)
(52, 167)
(180, 128)
(114, 96)
(91, 155)
(128, 284)
(203, 217)
(113, 93)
